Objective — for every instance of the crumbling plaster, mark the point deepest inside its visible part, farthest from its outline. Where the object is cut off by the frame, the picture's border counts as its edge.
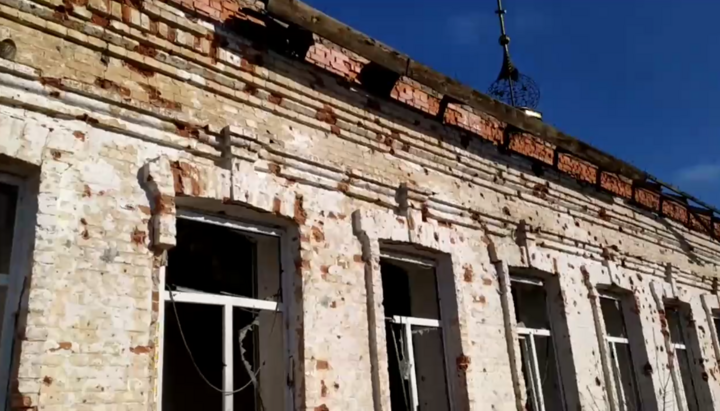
(114, 166)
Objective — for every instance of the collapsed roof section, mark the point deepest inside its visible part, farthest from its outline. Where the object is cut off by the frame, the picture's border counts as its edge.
(297, 30)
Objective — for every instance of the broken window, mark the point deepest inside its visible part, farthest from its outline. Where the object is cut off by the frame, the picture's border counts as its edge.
(223, 335)
(17, 213)
(8, 210)
(620, 353)
(680, 338)
(537, 350)
(414, 334)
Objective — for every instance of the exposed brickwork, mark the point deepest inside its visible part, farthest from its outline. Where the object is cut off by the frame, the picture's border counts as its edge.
(128, 111)
(675, 210)
(415, 95)
(483, 126)
(616, 184)
(648, 198)
(334, 61)
(577, 168)
(531, 146)
(702, 223)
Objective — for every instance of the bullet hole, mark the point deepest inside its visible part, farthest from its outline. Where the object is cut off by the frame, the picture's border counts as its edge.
(8, 49)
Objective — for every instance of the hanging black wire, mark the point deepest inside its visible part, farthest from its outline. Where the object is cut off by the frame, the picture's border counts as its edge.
(192, 357)
(512, 87)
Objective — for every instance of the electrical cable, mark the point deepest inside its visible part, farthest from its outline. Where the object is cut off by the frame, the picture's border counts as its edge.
(400, 366)
(192, 358)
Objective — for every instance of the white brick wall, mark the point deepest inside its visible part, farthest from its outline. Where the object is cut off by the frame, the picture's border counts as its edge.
(100, 220)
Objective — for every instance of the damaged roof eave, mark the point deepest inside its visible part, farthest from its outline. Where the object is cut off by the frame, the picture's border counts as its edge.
(308, 18)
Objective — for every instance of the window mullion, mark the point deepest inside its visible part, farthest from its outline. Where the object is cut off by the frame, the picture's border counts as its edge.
(410, 352)
(536, 374)
(228, 384)
(618, 377)
(527, 358)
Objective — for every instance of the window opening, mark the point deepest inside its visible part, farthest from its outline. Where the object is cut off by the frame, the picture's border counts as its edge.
(678, 326)
(414, 334)
(624, 377)
(537, 350)
(8, 210)
(223, 340)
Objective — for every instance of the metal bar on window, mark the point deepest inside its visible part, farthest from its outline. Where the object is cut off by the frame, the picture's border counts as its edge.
(618, 377)
(409, 258)
(617, 340)
(228, 383)
(609, 296)
(409, 349)
(526, 280)
(533, 331)
(677, 346)
(527, 359)
(419, 322)
(217, 299)
(536, 374)
(230, 223)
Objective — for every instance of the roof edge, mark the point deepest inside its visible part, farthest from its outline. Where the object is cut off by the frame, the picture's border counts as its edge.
(305, 16)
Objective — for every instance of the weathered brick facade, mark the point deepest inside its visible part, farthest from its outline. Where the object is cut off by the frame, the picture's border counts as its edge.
(117, 114)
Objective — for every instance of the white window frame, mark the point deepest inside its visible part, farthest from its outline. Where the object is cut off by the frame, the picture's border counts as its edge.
(408, 322)
(531, 359)
(682, 346)
(612, 343)
(228, 303)
(15, 278)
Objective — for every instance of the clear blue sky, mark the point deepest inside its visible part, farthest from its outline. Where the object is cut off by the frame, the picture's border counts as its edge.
(639, 79)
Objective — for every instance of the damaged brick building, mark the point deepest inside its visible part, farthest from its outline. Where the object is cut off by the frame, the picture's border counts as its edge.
(223, 205)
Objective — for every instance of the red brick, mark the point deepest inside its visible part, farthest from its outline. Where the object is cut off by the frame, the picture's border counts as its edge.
(486, 127)
(531, 146)
(207, 10)
(648, 198)
(577, 168)
(675, 210)
(415, 97)
(231, 6)
(126, 13)
(700, 222)
(616, 185)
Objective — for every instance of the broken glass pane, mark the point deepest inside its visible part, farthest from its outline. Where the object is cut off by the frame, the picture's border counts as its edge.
(8, 203)
(683, 360)
(627, 377)
(530, 307)
(430, 369)
(410, 290)
(549, 377)
(264, 365)
(183, 387)
(613, 318)
(528, 371)
(672, 316)
(398, 367)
